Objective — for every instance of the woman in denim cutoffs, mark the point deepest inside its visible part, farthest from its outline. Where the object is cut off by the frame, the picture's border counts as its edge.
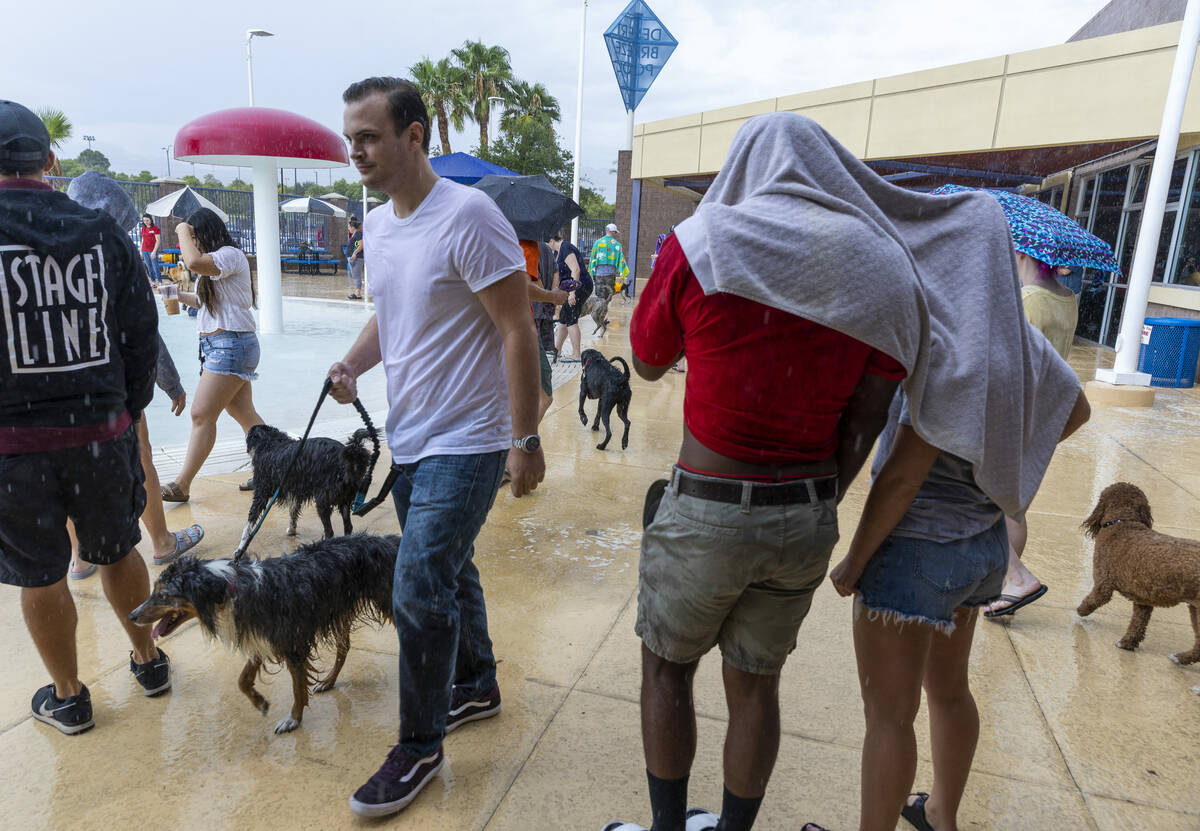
(930, 549)
(228, 343)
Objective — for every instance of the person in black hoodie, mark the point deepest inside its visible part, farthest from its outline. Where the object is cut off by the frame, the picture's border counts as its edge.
(78, 348)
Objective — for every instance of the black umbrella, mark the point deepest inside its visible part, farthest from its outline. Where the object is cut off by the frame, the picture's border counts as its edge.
(533, 206)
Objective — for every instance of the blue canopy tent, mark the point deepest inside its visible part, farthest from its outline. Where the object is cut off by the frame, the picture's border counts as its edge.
(465, 168)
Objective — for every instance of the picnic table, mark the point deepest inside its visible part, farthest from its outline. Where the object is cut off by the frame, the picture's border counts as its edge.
(307, 261)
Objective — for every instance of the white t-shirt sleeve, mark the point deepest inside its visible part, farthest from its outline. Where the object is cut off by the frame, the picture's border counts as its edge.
(486, 251)
(229, 260)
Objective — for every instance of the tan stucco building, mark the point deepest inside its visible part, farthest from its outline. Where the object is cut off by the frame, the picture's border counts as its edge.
(1072, 124)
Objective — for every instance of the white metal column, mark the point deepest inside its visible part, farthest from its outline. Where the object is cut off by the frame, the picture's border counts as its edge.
(1141, 272)
(266, 236)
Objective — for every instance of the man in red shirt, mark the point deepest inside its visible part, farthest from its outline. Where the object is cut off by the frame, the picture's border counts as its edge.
(779, 415)
(151, 241)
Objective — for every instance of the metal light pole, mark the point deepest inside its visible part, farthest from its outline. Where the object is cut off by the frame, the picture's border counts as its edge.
(89, 140)
(1124, 370)
(578, 123)
(168, 150)
(250, 35)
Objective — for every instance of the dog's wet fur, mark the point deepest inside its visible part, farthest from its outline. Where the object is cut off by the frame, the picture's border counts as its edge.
(1139, 563)
(281, 609)
(602, 380)
(327, 473)
(596, 307)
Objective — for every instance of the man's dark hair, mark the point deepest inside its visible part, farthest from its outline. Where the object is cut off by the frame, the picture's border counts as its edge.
(16, 168)
(354, 223)
(404, 102)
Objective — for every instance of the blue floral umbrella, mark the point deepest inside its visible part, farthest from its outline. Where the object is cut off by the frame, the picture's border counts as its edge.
(1047, 234)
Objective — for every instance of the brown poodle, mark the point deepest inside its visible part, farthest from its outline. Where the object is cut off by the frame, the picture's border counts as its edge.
(1149, 568)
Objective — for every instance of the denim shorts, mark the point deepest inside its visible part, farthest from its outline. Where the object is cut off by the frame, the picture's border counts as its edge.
(713, 573)
(922, 581)
(230, 353)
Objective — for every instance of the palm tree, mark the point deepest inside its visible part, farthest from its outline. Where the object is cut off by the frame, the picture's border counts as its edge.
(59, 127)
(442, 87)
(488, 73)
(531, 102)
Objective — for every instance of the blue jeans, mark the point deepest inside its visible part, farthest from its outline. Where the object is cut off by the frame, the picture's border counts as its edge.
(437, 601)
(148, 259)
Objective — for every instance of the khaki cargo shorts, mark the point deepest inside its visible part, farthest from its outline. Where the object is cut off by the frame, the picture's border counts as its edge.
(715, 573)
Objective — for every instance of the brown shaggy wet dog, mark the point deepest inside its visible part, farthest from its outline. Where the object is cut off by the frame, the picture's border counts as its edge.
(1149, 568)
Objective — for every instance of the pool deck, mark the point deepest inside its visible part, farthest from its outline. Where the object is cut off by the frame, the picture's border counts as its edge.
(1076, 734)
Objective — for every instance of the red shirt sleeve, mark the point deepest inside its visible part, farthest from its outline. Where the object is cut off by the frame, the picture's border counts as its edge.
(885, 366)
(655, 332)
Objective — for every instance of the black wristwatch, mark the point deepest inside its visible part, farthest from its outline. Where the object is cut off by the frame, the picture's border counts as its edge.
(529, 444)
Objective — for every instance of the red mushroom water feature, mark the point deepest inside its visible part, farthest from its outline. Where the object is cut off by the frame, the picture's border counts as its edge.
(264, 140)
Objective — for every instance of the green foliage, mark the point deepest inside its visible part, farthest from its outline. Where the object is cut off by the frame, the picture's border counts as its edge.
(71, 168)
(211, 181)
(594, 205)
(488, 74)
(443, 89)
(529, 147)
(530, 102)
(191, 180)
(57, 125)
(238, 184)
(93, 160)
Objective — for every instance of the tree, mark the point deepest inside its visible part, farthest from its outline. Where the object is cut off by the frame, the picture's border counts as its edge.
(59, 127)
(211, 181)
(238, 184)
(443, 89)
(488, 74)
(528, 147)
(93, 160)
(531, 102)
(190, 180)
(594, 205)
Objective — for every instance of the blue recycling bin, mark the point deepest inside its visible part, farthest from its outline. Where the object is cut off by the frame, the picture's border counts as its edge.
(1170, 351)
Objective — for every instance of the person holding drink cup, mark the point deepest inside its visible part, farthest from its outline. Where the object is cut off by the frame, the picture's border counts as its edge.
(229, 349)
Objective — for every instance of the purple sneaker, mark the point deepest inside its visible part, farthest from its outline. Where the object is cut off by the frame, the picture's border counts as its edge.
(396, 783)
(464, 709)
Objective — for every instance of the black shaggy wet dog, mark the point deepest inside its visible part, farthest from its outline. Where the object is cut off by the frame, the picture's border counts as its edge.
(602, 380)
(281, 609)
(326, 473)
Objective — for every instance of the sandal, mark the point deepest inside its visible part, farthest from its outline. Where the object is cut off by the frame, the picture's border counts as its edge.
(1015, 602)
(185, 540)
(914, 812)
(248, 485)
(171, 492)
(86, 573)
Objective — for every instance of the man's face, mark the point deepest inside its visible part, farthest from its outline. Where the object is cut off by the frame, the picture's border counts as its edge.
(385, 161)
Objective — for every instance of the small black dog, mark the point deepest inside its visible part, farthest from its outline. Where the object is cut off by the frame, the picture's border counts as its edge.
(280, 609)
(326, 473)
(604, 381)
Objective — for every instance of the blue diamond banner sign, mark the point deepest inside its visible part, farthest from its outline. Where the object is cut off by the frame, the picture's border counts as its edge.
(638, 46)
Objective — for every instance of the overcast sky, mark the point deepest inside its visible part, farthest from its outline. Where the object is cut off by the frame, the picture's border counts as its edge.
(132, 76)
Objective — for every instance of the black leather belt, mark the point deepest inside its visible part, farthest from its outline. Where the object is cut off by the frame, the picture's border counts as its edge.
(761, 493)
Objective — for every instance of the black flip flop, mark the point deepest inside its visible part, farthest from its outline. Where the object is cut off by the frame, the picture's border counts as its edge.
(915, 813)
(1016, 602)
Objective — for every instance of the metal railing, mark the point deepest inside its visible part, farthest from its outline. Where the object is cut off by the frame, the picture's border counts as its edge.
(294, 229)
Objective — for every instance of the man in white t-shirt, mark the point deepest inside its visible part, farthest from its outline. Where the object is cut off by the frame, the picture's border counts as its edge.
(453, 330)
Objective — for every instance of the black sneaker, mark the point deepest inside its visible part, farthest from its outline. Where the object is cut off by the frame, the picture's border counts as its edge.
(72, 715)
(396, 783)
(154, 676)
(464, 709)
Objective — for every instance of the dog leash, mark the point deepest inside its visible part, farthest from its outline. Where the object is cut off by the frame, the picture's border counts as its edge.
(363, 488)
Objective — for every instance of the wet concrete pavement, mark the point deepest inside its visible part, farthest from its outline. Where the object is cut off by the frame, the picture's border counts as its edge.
(1076, 734)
